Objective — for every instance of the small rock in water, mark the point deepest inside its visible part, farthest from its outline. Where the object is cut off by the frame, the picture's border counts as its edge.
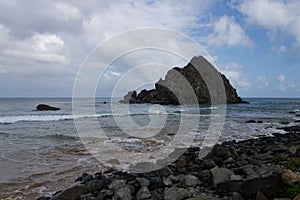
(251, 121)
(45, 107)
(284, 122)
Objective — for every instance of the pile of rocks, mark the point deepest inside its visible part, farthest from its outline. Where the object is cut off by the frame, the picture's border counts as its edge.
(263, 168)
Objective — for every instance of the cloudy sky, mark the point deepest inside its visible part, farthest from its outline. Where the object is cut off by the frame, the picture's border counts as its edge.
(255, 43)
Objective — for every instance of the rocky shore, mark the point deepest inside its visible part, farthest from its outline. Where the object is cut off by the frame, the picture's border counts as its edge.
(262, 168)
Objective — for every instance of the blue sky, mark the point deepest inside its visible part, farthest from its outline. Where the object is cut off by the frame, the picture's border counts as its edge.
(255, 43)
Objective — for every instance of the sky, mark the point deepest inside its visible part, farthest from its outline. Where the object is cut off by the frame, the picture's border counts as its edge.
(255, 43)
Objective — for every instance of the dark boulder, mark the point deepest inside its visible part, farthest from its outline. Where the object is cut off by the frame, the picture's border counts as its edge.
(220, 153)
(179, 83)
(251, 121)
(248, 188)
(73, 192)
(45, 107)
(267, 185)
(291, 128)
(284, 122)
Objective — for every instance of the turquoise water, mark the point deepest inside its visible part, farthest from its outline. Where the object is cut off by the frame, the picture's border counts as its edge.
(41, 152)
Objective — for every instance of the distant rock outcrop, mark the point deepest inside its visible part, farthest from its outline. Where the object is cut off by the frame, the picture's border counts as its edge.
(45, 107)
(177, 78)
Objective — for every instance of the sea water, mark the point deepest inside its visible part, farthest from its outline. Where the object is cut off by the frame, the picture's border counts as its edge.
(42, 152)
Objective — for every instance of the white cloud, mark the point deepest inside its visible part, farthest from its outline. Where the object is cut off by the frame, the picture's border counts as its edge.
(36, 56)
(281, 50)
(279, 17)
(3, 30)
(239, 79)
(281, 78)
(284, 84)
(235, 73)
(53, 37)
(127, 15)
(228, 32)
(47, 48)
(40, 57)
(111, 75)
(66, 11)
(47, 42)
(271, 14)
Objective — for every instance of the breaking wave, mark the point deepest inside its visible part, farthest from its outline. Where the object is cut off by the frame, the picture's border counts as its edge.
(43, 118)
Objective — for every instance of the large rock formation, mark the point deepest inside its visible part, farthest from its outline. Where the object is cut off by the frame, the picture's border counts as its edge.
(187, 86)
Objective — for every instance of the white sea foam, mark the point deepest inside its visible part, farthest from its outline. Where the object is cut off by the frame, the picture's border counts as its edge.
(14, 119)
(41, 118)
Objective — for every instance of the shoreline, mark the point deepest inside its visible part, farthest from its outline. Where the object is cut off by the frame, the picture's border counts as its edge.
(264, 167)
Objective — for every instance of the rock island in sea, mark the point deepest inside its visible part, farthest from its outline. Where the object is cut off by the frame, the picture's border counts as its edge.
(163, 95)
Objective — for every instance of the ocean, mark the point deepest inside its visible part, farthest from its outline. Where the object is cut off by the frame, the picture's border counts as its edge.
(42, 152)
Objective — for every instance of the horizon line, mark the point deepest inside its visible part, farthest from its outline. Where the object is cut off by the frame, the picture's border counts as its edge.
(49, 97)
